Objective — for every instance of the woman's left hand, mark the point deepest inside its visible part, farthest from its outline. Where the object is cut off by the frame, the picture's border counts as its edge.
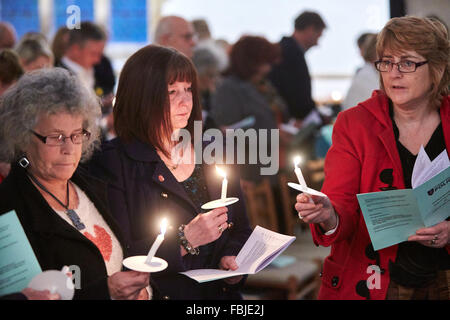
(229, 263)
(436, 236)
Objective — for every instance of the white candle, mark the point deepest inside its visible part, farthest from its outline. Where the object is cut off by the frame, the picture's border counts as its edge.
(157, 243)
(224, 183)
(298, 172)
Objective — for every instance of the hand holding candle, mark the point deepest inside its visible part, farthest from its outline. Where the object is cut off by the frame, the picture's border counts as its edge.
(157, 243)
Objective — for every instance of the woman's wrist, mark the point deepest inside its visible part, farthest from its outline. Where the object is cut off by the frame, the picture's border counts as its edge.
(330, 223)
(184, 242)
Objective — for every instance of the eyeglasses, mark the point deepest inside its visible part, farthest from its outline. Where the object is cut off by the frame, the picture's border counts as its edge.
(404, 66)
(59, 139)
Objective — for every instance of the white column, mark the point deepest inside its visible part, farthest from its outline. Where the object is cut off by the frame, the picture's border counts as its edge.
(102, 13)
(153, 16)
(46, 17)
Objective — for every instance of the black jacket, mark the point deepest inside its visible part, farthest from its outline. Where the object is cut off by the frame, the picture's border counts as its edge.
(55, 242)
(292, 80)
(142, 191)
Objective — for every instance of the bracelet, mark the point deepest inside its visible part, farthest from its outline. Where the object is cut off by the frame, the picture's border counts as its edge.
(185, 243)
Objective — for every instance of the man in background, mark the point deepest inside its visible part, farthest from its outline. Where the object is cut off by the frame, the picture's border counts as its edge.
(176, 32)
(84, 50)
(84, 57)
(291, 76)
(7, 35)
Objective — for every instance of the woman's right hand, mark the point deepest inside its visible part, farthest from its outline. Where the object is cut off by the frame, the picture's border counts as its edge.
(315, 209)
(126, 285)
(206, 227)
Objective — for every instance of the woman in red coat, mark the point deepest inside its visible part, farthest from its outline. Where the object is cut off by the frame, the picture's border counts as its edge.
(375, 145)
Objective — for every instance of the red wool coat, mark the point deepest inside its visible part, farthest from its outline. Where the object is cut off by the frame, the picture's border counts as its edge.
(363, 146)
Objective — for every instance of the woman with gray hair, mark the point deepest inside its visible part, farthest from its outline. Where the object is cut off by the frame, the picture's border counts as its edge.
(48, 126)
(34, 53)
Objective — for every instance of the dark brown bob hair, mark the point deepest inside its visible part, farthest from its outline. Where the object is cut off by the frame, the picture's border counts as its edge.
(142, 107)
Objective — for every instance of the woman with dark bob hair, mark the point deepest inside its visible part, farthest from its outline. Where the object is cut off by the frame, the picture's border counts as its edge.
(48, 126)
(375, 146)
(151, 177)
(245, 92)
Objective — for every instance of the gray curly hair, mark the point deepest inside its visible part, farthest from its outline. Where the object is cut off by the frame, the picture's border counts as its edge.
(42, 93)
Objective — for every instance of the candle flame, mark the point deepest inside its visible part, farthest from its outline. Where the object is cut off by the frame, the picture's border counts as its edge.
(336, 95)
(163, 226)
(221, 172)
(297, 160)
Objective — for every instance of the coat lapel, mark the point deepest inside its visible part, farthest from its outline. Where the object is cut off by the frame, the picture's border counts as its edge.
(445, 119)
(386, 131)
(167, 181)
(388, 140)
(161, 175)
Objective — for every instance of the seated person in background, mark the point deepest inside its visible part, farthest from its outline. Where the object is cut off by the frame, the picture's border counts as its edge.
(48, 126)
(175, 32)
(83, 56)
(34, 54)
(10, 72)
(207, 67)
(151, 176)
(84, 50)
(382, 136)
(59, 44)
(205, 41)
(366, 78)
(7, 35)
(244, 93)
(10, 69)
(105, 79)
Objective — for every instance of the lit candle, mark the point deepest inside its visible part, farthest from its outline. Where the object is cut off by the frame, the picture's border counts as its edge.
(224, 182)
(298, 172)
(157, 243)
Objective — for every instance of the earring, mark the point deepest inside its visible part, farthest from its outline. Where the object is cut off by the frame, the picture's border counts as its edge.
(24, 162)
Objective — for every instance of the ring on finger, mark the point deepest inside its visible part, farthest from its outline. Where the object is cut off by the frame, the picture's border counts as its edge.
(300, 216)
(220, 229)
(432, 242)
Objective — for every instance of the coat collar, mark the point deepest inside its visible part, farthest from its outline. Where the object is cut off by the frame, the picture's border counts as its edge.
(378, 106)
(139, 151)
(445, 119)
(164, 178)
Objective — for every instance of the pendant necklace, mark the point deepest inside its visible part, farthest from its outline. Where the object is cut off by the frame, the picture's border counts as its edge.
(73, 216)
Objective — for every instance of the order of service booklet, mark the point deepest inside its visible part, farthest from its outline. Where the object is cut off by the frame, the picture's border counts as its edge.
(18, 264)
(261, 248)
(392, 216)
